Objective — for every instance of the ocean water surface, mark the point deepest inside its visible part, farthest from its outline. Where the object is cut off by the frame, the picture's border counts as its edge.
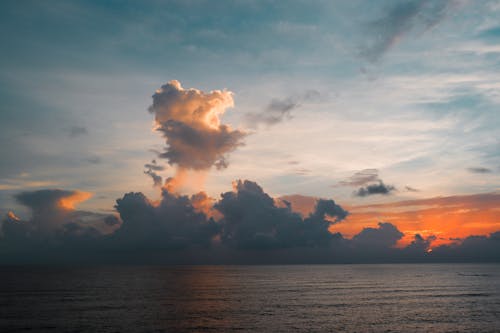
(309, 298)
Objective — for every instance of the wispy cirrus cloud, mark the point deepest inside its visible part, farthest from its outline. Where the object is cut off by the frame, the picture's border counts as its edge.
(361, 178)
(401, 19)
(479, 170)
(76, 131)
(279, 110)
(411, 189)
(18, 184)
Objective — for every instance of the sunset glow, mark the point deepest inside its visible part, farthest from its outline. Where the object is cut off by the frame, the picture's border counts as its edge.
(449, 219)
(253, 166)
(356, 131)
(74, 199)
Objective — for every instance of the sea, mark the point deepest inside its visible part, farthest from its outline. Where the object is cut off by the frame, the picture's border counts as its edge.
(295, 298)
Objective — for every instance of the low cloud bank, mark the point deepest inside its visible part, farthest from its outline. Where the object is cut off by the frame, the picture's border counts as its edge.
(245, 225)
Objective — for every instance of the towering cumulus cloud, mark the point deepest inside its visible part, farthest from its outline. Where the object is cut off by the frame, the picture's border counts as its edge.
(189, 121)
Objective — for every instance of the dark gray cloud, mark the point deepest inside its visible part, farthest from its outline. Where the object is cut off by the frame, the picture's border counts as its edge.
(401, 19)
(151, 169)
(172, 223)
(157, 179)
(112, 220)
(385, 236)
(43, 200)
(279, 110)
(251, 219)
(94, 160)
(189, 121)
(53, 217)
(472, 248)
(411, 189)
(373, 189)
(370, 183)
(420, 244)
(154, 166)
(76, 131)
(246, 225)
(361, 178)
(479, 170)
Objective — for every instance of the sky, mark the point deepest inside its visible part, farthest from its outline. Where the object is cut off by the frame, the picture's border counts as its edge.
(251, 125)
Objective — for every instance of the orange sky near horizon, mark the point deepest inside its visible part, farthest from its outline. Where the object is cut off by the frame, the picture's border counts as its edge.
(447, 218)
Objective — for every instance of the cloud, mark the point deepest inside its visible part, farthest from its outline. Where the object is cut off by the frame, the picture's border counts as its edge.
(361, 178)
(151, 169)
(189, 120)
(302, 171)
(245, 225)
(157, 179)
(19, 184)
(481, 201)
(451, 218)
(385, 236)
(279, 110)
(479, 170)
(251, 219)
(400, 20)
(446, 217)
(472, 248)
(420, 244)
(411, 189)
(76, 131)
(154, 166)
(172, 223)
(53, 200)
(373, 189)
(53, 216)
(94, 160)
(369, 178)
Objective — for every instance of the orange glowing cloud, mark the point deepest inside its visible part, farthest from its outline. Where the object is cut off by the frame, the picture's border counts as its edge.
(70, 201)
(52, 210)
(202, 203)
(189, 120)
(13, 216)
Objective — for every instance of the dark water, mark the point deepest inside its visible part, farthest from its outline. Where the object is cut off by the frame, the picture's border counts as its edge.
(354, 298)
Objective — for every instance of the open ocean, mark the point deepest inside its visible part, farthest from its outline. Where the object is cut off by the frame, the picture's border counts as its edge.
(309, 298)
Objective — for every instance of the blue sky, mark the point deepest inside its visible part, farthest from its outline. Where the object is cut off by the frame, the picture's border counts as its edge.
(409, 88)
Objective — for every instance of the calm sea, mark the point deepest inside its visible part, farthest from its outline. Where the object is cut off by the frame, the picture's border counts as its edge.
(329, 298)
